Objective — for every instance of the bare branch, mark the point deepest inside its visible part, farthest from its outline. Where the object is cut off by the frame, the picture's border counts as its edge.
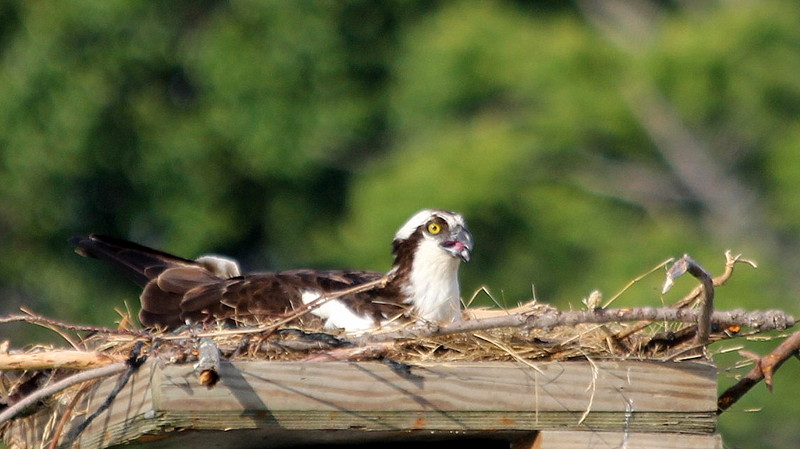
(66, 359)
(207, 365)
(37, 319)
(764, 368)
(63, 384)
(763, 321)
(730, 263)
(132, 364)
(687, 264)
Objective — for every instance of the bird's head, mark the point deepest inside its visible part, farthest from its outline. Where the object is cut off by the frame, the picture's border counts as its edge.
(427, 252)
(434, 230)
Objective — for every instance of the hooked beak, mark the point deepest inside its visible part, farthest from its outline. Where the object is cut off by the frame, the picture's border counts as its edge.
(460, 244)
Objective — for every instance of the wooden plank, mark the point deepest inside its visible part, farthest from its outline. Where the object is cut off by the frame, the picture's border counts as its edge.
(486, 386)
(347, 402)
(618, 440)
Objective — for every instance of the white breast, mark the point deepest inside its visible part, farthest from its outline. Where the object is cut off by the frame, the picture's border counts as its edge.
(433, 284)
(337, 315)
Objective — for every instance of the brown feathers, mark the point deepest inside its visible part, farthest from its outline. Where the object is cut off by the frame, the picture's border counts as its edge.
(177, 290)
(423, 282)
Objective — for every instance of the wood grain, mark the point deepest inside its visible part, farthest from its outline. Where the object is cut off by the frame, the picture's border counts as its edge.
(618, 440)
(348, 401)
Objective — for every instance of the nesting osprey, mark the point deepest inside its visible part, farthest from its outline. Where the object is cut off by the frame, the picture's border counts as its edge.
(421, 285)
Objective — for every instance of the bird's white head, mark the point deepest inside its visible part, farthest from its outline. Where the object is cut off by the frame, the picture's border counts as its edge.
(428, 249)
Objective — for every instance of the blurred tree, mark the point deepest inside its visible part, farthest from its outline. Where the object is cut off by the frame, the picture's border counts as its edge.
(194, 126)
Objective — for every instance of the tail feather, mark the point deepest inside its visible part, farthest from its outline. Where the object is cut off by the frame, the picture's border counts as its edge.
(165, 278)
(140, 263)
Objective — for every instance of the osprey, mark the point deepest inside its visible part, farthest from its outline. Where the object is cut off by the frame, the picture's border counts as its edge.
(421, 285)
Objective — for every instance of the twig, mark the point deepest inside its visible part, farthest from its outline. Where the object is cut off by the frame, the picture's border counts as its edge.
(38, 319)
(687, 264)
(764, 368)
(298, 340)
(66, 414)
(63, 384)
(730, 262)
(53, 328)
(207, 365)
(132, 364)
(308, 307)
(370, 351)
(634, 281)
(505, 348)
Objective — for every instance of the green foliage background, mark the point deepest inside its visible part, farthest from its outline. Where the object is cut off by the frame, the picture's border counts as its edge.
(584, 143)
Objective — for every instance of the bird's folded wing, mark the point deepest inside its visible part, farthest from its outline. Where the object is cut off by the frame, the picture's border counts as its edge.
(194, 294)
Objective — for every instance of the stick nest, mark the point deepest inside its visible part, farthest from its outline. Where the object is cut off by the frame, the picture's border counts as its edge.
(518, 334)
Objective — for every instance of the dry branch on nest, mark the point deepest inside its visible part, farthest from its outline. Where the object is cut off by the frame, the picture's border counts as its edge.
(57, 359)
(761, 321)
(42, 393)
(207, 365)
(764, 368)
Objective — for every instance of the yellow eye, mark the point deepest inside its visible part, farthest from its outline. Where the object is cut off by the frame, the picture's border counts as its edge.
(434, 228)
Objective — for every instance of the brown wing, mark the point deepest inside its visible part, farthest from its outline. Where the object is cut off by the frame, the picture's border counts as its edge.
(162, 296)
(178, 290)
(255, 297)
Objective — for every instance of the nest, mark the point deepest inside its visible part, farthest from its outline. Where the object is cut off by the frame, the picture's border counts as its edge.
(407, 345)
(417, 343)
(532, 332)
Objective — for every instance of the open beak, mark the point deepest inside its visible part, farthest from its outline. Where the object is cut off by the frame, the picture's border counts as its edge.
(460, 244)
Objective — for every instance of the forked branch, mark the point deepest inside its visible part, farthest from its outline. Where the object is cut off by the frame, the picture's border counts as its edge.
(764, 368)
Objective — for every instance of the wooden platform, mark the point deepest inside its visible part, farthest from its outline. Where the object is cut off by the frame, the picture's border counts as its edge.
(580, 404)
